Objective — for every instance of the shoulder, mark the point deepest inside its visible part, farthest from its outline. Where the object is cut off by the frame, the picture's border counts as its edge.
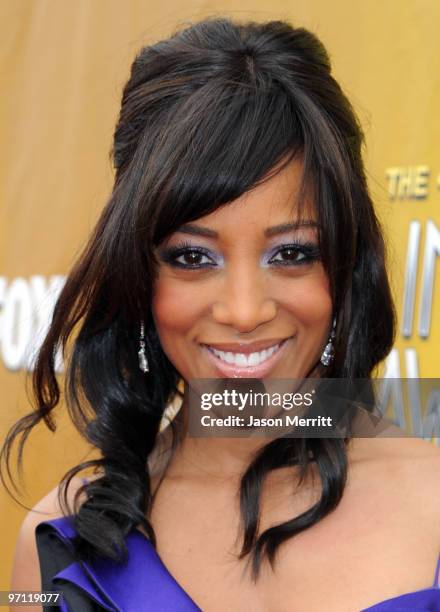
(26, 567)
(49, 507)
(420, 470)
(407, 470)
(416, 470)
(409, 453)
(417, 463)
(416, 459)
(412, 461)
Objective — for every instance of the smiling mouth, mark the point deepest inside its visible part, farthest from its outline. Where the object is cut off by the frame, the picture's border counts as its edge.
(233, 364)
(244, 359)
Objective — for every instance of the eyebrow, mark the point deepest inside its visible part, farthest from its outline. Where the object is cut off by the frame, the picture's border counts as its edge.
(283, 228)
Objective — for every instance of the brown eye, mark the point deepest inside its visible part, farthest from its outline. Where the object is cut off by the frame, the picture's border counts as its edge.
(192, 257)
(289, 255)
(187, 257)
(292, 254)
(296, 254)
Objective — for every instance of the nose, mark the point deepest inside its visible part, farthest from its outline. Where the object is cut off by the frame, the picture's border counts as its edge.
(244, 300)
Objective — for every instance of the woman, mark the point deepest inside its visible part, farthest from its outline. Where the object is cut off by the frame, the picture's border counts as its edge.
(240, 220)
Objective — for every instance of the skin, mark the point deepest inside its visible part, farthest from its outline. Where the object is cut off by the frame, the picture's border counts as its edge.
(382, 540)
(245, 296)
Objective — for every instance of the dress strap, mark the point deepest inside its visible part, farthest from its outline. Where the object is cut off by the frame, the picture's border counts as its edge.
(115, 586)
(437, 573)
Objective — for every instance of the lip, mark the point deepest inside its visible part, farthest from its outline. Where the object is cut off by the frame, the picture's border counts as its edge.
(245, 347)
(230, 370)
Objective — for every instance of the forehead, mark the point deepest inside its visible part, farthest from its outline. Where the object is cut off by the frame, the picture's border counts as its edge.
(273, 202)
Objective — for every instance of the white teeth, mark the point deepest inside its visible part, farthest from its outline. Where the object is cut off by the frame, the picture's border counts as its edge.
(240, 359)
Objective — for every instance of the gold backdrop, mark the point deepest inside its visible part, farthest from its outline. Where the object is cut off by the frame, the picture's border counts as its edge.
(63, 65)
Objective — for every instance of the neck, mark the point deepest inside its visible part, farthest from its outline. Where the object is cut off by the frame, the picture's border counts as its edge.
(219, 458)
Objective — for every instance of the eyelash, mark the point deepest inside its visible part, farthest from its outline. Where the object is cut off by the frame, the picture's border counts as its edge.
(308, 249)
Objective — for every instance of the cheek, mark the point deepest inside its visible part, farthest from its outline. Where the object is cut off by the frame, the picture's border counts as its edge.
(174, 306)
(310, 301)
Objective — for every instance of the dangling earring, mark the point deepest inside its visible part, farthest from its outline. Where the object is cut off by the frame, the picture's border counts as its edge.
(143, 361)
(329, 351)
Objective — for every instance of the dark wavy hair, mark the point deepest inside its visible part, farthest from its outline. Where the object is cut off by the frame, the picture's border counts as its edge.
(207, 115)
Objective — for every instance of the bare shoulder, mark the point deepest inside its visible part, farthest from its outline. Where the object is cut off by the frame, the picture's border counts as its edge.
(409, 470)
(412, 459)
(395, 448)
(26, 566)
(415, 456)
(49, 508)
(419, 462)
(417, 472)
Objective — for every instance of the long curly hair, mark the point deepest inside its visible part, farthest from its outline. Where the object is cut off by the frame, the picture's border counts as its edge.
(206, 115)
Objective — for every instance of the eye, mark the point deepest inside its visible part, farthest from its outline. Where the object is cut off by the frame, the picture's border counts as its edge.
(290, 255)
(296, 254)
(187, 256)
(192, 258)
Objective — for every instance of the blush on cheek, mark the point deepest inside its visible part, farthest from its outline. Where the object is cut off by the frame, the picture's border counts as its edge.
(175, 309)
(316, 312)
(165, 300)
(311, 302)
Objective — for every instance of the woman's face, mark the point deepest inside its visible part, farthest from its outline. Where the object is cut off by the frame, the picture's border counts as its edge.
(236, 281)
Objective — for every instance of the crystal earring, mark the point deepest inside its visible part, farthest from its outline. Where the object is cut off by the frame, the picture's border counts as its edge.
(143, 361)
(329, 351)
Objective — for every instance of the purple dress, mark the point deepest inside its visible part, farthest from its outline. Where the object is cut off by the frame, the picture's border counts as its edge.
(144, 584)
